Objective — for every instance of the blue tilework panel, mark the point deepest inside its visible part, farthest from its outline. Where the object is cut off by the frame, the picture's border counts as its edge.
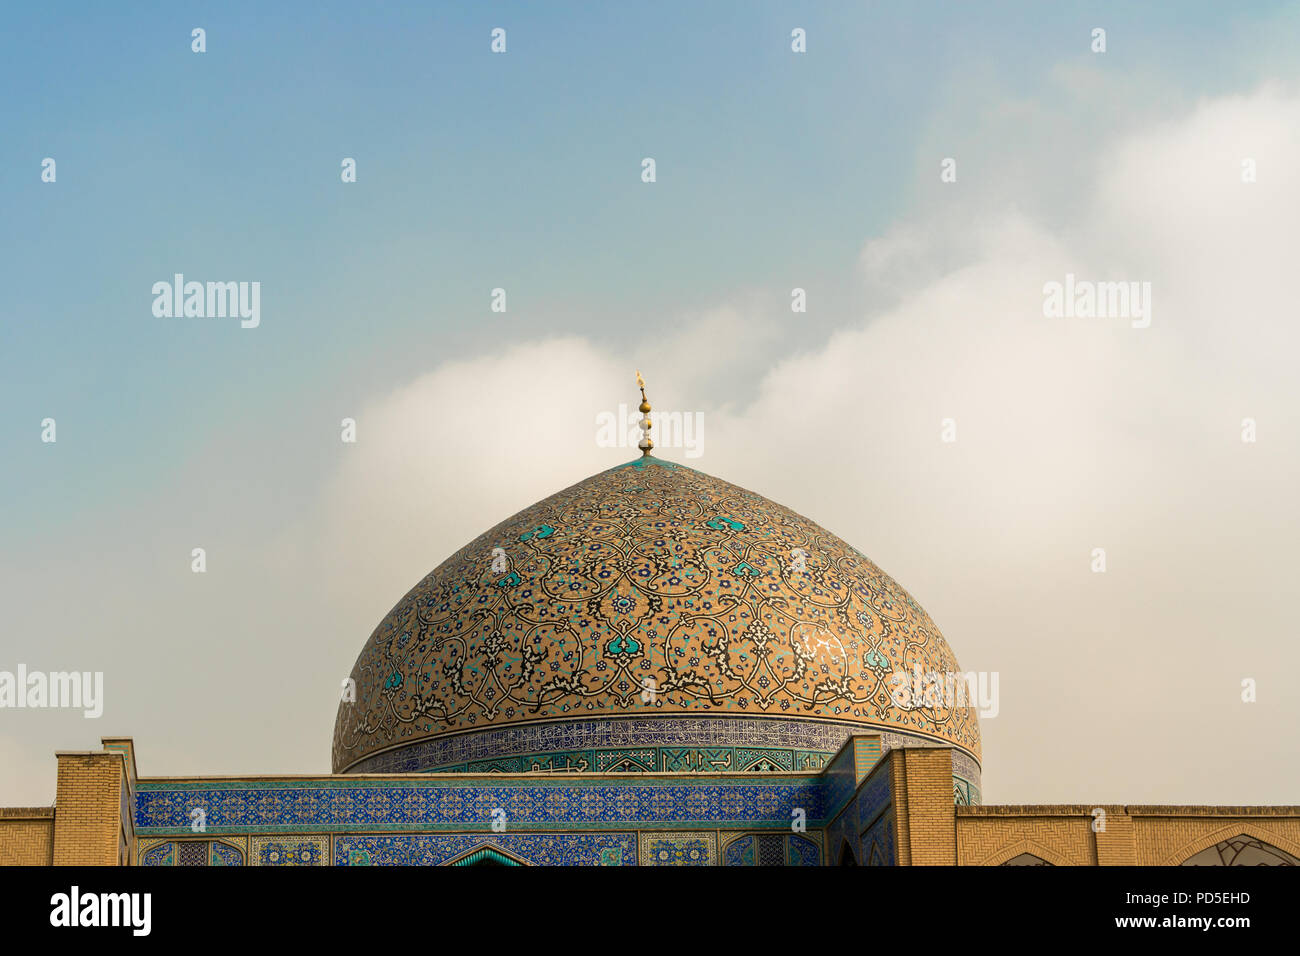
(680, 849)
(771, 849)
(801, 851)
(862, 809)
(435, 849)
(874, 797)
(874, 815)
(842, 833)
(840, 780)
(300, 851)
(625, 745)
(877, 847)
(164, 854)
(343, 805)
(965, 793)
(223, 854)
(740, 852)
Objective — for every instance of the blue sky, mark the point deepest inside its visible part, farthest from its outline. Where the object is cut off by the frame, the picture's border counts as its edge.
(475, 171)
(479, 171)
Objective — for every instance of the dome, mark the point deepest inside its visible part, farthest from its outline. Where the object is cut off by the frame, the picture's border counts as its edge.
(648, 618)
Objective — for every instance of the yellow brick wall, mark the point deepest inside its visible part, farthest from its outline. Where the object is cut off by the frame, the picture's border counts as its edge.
(91, 822)
(1142, 836)
(1168, 835)
(1061, 835)
(87, 817)
(902, 807)
(923, 805)
(26, 837)
(1113, 845)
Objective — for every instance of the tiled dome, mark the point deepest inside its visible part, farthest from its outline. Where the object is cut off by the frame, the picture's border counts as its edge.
(645, 614)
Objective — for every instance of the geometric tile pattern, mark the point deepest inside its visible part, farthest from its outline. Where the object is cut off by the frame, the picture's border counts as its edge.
(576, 819)
(650, 588)
(448, 804)
(1242, 850)
(679, 849)
(625, 745)
(190, 853)
(435, 849)
(843, 774)
(964, 793)
(160, 854)
(486, 856)
(291, 851)
(878, 842)
(771, 849)
(966, 768)
(873, 799)
(740, 851)
(863, 829)
(802, 851)
(223, 854)
(842, 834)
(841, 781)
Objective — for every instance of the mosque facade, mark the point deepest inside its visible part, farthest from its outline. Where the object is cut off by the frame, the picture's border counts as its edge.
(652, 667)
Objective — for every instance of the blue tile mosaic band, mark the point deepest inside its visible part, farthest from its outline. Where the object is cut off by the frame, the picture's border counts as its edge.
(340, 805)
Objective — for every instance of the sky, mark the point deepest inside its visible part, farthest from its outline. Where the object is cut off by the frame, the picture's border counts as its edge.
(774, 170)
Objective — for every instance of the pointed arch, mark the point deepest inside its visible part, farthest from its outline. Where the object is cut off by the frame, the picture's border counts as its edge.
(1026, 859)
(739, 852)
(487, 854)
(1231, 832)
(226, 853)
(1032, 847)
(874, 856)
(846, 857)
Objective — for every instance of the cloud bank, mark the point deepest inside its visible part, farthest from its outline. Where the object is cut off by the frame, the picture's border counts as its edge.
(1071, 434)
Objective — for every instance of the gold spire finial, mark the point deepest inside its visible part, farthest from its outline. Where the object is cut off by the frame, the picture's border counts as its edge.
(645, 444)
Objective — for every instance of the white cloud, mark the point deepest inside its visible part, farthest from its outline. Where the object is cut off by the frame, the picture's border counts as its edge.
(1072, 434)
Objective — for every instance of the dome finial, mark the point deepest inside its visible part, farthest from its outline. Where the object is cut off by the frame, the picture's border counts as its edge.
(645, 444)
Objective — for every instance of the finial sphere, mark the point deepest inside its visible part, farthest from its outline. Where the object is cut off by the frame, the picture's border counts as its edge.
(645, 444)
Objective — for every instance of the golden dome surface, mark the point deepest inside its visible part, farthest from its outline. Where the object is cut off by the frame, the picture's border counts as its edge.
(644, 593)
